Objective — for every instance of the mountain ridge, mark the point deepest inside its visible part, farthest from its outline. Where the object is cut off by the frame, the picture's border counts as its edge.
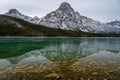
(10, 28)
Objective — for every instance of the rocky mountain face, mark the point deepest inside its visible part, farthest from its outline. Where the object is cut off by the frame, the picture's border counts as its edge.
(66, 18)
(17, 14)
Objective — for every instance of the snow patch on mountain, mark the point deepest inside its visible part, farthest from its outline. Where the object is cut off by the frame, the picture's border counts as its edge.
(114, 23)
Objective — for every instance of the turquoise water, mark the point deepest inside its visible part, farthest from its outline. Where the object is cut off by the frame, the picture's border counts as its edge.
(52, 52)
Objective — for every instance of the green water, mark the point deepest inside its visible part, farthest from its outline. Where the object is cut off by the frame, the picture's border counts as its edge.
(60, 53)
(10, 47)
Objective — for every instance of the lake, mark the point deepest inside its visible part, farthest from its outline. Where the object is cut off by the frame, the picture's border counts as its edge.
(35, 58)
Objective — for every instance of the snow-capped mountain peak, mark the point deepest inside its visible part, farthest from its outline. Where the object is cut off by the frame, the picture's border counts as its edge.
(66, 18)
(17, 14)
(66, 7)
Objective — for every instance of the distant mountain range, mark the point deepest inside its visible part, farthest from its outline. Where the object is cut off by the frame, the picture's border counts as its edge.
(64, 19)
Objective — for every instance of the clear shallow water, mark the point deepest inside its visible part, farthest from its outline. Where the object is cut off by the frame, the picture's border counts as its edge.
(85, 58)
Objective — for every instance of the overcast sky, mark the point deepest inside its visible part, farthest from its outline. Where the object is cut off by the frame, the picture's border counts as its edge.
(101, 10)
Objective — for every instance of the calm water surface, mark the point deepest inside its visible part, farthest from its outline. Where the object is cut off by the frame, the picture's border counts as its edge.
(59, 58)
